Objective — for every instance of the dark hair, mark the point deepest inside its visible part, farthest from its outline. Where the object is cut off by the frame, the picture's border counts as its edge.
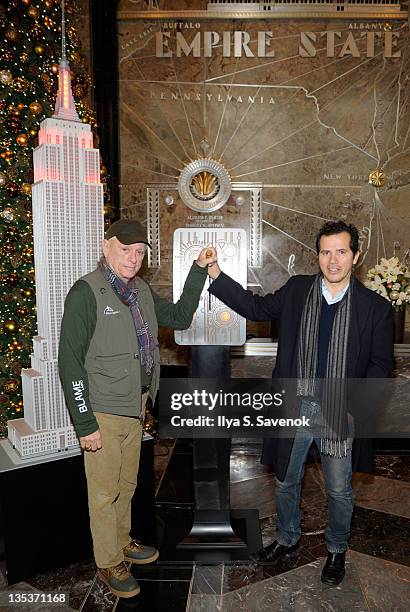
(337, 227)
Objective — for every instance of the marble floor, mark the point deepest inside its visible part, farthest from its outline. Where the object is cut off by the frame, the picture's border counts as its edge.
(378, 561)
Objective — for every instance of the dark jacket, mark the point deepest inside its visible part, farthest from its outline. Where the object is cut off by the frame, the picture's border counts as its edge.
(370, 344)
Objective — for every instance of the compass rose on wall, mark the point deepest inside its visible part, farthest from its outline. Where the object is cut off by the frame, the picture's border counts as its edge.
(204, 185)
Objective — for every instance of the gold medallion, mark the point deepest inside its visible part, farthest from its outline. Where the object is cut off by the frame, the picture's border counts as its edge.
(378, 177)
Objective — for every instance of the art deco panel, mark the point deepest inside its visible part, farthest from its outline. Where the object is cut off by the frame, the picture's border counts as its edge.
(214, 322)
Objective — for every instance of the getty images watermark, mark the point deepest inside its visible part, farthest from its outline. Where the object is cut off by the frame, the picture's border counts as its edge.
(257, 401)
(210, 408)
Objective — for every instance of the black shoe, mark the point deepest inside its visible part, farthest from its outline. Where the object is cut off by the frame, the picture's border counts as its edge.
(273, 553)
(334, 569)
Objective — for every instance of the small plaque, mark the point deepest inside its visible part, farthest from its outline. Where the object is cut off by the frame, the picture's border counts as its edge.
(213, 322)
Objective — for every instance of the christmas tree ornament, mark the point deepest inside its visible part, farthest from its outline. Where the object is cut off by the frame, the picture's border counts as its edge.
(6, 155)
(22, 140)
(28, 292)
(72, 34)
(26, 2)
(48, 4)
(33, 70)
(13, 124)
(15, 367)
(37, 31)
(39, 49)
(8, 215)
(12, 190)
(3, 179)
(48, 22)
(6, 250)
(12, 34)
(22, 311)
(12, 173)
(12, 233)
(54, 68)
(26, 188)
(46, 82)
(12, 279)
(75, 57)
(24, 58)
(33, 132)
(11, 385)
(16, 261)
(28, 175)
(15, 346)
(35, 107)
(33, 12)
(10, 326)
(78, 91)
(20, 84)
(7, 57)
(5, 77)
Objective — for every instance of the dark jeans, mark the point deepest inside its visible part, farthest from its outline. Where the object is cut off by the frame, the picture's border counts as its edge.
(337, 473)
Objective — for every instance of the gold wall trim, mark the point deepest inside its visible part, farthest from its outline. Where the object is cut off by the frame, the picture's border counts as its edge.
(256, 15)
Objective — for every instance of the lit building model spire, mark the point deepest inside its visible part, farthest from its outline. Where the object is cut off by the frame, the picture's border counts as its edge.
(68, 226)
(65, 105)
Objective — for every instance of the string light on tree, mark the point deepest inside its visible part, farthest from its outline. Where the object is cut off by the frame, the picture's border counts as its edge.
(30, 39)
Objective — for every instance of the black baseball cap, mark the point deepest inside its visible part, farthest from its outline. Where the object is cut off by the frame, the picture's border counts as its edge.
(127, 231)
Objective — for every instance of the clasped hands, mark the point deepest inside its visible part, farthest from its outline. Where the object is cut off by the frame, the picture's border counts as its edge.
(209, 257)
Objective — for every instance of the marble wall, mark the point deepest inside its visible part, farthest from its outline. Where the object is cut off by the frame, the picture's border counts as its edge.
(308, 130)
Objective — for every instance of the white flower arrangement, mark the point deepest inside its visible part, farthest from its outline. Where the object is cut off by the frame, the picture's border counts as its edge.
(391, 279)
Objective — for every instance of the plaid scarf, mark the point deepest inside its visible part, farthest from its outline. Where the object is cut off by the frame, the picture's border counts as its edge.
(333, 389)
(130, 298)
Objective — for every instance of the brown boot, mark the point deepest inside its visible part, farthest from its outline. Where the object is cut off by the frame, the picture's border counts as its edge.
(139, 553)
(119, 580)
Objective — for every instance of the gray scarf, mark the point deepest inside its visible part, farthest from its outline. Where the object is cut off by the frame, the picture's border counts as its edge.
(333, 389)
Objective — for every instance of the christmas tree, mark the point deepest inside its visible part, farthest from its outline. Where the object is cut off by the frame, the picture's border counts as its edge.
(29, 56)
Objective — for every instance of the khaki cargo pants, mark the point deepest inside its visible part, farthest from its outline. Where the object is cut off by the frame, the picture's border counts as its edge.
(111, 481)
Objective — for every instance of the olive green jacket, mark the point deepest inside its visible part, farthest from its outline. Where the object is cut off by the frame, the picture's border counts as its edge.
(99, 359)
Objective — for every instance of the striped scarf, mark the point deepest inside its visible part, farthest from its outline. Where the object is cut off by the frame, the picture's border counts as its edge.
(333, 389)
(130, 298)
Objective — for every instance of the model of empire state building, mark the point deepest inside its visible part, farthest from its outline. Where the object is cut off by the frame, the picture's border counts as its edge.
(68, 225)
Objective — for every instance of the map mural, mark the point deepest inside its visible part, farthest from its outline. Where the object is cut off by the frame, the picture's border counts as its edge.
(306, 120)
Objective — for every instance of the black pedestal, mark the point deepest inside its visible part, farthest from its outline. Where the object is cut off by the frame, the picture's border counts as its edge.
(212, 526)
(44, 522)
(207, 537)
(178, 521)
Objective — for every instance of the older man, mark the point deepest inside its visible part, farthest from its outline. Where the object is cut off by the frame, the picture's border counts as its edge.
(109, 364)
(331, 328)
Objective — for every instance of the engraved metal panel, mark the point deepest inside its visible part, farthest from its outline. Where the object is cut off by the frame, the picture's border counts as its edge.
(213, 322)
(255, 236)
(154, 254)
